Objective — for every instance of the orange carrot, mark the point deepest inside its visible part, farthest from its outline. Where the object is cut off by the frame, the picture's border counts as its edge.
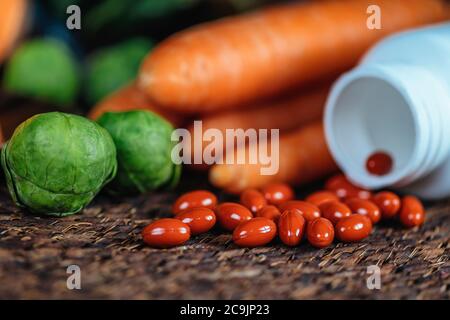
(12, 18)
(303, 157)
(131, 98)
(285, 114)
(236, 60)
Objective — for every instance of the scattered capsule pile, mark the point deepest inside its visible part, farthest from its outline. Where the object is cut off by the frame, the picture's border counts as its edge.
(341, 211)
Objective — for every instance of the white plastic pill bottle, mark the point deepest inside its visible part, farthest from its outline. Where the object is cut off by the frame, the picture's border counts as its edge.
(397, 100)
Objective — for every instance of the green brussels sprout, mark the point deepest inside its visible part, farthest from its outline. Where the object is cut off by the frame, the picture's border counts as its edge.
(144, 146)
(111, 68)
(44, 69)
(55, 163)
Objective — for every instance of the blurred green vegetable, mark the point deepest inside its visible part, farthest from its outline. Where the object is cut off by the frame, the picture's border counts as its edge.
(146, 9)
(144, 146)
(44, 69)
(112, 68)
(55, 163)
(242, 5)
(109, 14)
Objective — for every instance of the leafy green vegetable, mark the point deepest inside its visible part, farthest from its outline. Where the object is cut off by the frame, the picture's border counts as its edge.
(112, 68)
(55, 163)
(43, 69)
(144, 146)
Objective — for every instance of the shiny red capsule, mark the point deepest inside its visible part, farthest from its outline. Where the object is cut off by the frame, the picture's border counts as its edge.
(319, 197)
(166, 233)
(291, 227)
(230, 214)
(334, 211)
(364, 207)
(344, 189)
(254, 232)
(253, 200)
(269, 212)
(353, 228)
(388, 202)
(307, 210)
(199, 220)
(379, 163)
(277, 193)
(412, 213)
(194, 199)
(320, 232)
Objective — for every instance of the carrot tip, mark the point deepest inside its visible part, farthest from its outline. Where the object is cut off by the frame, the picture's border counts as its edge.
(220, 176)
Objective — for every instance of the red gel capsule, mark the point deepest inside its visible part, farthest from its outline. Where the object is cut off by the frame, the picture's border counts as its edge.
(412, 213)
(320, 232)
(344, 189)
(291, 227)
(269, 212)
(230, 214)
(253, 200)
(166, 233)
(353, 228)
(199, 220)
(379, 163)
(194, 199)
(254, 232)
(364, 207)
(334, 211)
(319, 197)
(277, 193)
(388, 202)
(307, 210)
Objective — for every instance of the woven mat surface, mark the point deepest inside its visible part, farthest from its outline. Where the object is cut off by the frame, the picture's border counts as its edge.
(104, 241)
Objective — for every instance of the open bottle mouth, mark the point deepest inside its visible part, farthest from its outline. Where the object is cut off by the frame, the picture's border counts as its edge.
(367, 114)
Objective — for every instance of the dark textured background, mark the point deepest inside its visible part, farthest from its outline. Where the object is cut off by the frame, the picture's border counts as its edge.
(105, 242)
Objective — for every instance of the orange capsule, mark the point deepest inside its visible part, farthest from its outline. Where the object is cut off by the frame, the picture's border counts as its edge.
(412, 213)
(307, 210)
(194, 199)
(166, 233)
(291, 226)
(364, 207)
(199, 220)
(254, 232)
(230, 214)
(277, 193)
(343, 188)
(320, 232)
(334, 211)
(269, 212)
(319, 197)
(253, 200)
(388, 202)
(353, 228)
